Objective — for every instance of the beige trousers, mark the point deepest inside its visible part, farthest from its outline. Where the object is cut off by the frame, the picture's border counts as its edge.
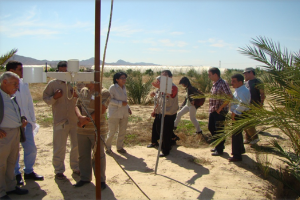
(114, 125)
(9, 151)
(86, 163)
(60, 136)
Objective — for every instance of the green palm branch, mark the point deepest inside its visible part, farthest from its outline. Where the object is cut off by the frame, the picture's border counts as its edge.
(4, 58)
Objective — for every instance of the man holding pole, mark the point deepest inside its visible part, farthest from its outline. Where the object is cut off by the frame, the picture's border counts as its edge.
(170, 115)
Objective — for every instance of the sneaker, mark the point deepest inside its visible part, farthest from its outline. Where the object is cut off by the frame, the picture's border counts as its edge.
(60, 176)
(122, 151)
(254, 141)
(174, 129)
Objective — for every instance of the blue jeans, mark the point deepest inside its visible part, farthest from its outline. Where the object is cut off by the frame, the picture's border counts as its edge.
(29, 152)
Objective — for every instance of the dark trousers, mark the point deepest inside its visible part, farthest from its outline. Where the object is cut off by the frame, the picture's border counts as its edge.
(237, 143)
(168, 132)
(215, 124)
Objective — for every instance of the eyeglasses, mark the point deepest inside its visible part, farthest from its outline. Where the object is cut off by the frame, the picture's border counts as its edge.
(123, 78)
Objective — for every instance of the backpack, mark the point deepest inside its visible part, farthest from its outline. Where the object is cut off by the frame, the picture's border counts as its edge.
(199, 102)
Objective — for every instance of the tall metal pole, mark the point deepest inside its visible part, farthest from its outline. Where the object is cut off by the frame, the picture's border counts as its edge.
(161, 130)
(98, 97)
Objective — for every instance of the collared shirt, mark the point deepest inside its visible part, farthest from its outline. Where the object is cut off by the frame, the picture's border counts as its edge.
(88, 100)
(63, 108)
(25, 103)
(11, 117)
(219, 88)
(241, 100)
(115, 108)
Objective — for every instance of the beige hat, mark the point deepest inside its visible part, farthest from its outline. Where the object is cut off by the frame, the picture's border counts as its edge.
(249, 69)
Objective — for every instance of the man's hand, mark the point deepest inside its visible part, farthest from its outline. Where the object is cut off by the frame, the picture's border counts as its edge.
(2, 134)
(73, 91)
(192, 102)
(152, 94)
(129, 111)
(124, 103)
(57, 94)
(83, 120)
(153, 114)
(232, 116)
(24, 123)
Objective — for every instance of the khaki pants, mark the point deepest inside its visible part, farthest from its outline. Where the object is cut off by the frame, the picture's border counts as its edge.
(113, 125)
(9, 151)
(60, 136)
(86, 163)
(251, 134)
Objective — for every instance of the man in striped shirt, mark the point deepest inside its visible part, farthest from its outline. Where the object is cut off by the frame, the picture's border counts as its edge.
(218, 106)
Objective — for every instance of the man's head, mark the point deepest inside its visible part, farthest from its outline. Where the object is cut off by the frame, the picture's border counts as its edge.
(120, 78)
(62, 66)
(214, 74)
(9, 82)
(249, 73)
(167, 73)
(15, 67)
(156, 82)
(237, 80)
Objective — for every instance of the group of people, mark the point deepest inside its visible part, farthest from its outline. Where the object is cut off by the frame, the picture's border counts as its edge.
(221, 95)
(72, 118)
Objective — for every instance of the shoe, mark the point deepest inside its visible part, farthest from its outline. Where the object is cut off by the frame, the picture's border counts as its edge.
(174, 129)
(33, 176)
(254, 141)
(5, 197)
(19, 179)
(216, 153)
(60, 176)
(246, 141)
(103, 185)
(200, 132)
(122, 151)
(76, 171)
(152, 145)
(233, 159)
(18, 191)
(213, 150)
(108, 152)
(163, 154)
(81, 183)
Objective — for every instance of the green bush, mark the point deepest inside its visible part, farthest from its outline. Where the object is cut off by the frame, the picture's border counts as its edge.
(149, 72)
(137, 90)
(202, 81)
(192, 73)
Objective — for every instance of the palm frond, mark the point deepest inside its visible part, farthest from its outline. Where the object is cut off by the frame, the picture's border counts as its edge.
(5, 57)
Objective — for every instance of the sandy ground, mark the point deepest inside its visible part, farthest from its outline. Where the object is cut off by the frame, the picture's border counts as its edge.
(178, 177)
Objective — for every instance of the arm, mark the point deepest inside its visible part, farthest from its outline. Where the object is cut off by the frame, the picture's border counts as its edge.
(228, 93)
(49, 96)
(113, 100)
(82, 120)
(2, 134)
(262, 96)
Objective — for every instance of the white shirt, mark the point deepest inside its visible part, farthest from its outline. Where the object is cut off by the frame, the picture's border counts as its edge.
(115, 108)
(25, 103)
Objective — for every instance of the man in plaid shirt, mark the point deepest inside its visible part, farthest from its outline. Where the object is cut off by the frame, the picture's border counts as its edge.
(218, 108)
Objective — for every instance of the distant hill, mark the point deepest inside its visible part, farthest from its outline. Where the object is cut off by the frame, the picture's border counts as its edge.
(87, 63)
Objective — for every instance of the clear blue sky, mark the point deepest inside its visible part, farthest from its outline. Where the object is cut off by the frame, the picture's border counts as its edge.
(180, 32)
